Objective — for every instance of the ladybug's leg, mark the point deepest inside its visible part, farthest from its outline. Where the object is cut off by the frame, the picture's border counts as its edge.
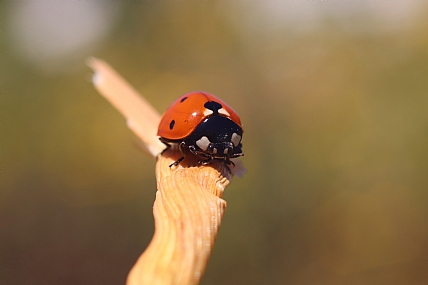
(177, 162)
(202, 154)
(229, 162)
(198, 152)
(205, 162)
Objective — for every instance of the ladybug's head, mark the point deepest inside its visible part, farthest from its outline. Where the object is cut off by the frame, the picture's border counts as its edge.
(220, 150)
(217, 137)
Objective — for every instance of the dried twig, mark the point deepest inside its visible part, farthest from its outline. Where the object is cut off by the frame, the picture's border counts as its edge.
(188, 207)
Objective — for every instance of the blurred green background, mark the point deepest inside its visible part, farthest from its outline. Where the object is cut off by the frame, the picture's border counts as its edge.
(334, 101)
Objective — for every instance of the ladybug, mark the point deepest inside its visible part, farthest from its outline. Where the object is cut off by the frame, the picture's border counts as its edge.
(204, 125)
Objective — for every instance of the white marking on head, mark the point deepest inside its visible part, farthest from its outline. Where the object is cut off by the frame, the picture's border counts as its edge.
(236, 139)
(208, 112)
(225, 151)
(214, 150)
(224, 112)
(203, 143)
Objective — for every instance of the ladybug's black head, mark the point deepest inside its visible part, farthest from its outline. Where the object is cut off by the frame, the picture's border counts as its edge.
(217, 137)
(216, 150)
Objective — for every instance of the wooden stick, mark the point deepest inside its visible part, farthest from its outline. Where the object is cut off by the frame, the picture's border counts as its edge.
(188, 211)
(140, 116)
(188, 207)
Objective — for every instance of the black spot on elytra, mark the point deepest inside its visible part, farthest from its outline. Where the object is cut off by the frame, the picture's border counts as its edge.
(182, 100)
(213, 106)
(171, 125)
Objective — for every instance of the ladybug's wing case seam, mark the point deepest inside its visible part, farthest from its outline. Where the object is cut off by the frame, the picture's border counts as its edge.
(232, 114)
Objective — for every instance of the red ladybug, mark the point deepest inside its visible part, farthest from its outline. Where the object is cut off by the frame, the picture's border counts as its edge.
(204, 125)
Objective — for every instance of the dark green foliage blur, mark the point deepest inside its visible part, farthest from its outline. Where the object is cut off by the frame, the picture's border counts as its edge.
(336, 146)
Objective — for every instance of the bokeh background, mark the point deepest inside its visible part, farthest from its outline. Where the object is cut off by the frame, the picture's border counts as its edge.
(334, 100)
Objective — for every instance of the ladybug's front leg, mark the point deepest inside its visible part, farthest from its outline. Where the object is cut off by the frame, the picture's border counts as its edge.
(202, 154)
(177, 162)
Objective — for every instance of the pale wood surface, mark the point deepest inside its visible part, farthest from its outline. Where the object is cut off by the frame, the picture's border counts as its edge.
(188, 211)
(140, 116)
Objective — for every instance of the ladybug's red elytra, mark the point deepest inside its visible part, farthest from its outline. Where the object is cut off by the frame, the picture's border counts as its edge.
(204, 125)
